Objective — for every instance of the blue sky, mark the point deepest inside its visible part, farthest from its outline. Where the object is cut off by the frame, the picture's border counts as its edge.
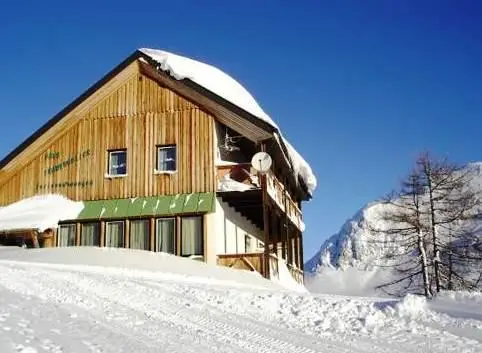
(359, 87)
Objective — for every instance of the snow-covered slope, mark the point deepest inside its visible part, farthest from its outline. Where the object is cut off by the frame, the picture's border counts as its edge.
(220, 83)
(351, 261)
(118, 300)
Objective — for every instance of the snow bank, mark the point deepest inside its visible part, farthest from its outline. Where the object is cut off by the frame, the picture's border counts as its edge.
(349, 281)
(152, 300)
(412, 306)
(464, 305)
(225, 86)
(39, 212)
(140, 263)
(460, 297)
(284, 277)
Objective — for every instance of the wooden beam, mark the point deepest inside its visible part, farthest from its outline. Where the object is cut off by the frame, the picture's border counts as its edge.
(265, 196)
(297, 244)
(152, 234)
(78, 230)
(102, 234)
(275, 232)
(127, 234)
(284, 241)
(302, 263)
(34, 236)
(178, 236)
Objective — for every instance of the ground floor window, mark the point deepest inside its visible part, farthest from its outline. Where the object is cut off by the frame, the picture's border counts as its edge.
(191, 236)
(139, 234)
(114, 234)
(166, 235)
(66, 234)
(90, 234)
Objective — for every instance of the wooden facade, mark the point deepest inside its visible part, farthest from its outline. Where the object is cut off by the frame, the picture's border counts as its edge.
(135, 114)
(137, 109)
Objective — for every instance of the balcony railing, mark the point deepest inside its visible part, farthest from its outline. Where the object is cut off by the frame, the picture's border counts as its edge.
(245, 174)
(255, 262)
(282, 198)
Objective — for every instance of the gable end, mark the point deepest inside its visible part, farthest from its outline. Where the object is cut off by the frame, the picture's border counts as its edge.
(55, 119)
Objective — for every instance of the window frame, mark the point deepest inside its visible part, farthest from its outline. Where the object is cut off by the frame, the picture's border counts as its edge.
(167, 171)
(109, 169)
(97, 228)
(123, 233)
(66, 225)
(148, 222)
(156, 235)
(201, 219)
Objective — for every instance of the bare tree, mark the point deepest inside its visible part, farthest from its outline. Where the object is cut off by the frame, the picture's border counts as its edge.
(406, 229)
(434, 225)
(452, 204)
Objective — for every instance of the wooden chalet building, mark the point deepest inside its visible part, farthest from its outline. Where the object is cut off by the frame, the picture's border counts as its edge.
(161, 161)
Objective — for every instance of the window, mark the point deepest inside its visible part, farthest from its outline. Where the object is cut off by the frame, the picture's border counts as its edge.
(117, 163)
(114, 234)
(166, 235)
(90, 235)
(166, 159)
(247, 243)
(191, 236)
(66, 235)
(139, 234)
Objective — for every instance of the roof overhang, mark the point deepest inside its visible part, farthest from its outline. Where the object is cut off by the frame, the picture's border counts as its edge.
(225, 112)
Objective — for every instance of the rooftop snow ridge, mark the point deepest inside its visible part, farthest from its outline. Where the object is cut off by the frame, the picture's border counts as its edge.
(225, 86)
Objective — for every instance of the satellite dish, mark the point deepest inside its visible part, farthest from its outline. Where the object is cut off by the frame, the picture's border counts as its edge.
(261, 161)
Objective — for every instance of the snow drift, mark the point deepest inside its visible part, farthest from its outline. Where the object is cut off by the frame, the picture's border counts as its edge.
(119, 300)
(39, 212)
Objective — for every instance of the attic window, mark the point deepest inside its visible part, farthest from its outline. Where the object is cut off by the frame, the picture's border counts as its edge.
(117, 163)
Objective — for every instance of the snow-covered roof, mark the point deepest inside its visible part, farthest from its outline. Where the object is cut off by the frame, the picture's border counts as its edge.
(220, 83)
(38, 212)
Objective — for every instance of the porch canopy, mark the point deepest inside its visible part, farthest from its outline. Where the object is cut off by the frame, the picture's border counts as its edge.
(154, 206)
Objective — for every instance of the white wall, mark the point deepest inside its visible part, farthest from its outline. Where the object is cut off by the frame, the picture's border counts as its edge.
(226, 230)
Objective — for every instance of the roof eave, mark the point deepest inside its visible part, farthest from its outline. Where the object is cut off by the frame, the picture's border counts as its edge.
(216, 98)
(236, 109)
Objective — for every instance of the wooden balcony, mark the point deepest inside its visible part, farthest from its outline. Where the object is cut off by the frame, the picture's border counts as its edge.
(255, 262)
(282, 198)
(243, 173)
(296, 273)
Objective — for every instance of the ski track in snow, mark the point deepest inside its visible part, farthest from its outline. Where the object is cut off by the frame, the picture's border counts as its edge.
(79, 309)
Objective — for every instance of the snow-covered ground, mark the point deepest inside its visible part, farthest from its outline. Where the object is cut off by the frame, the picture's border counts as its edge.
(112, 300)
